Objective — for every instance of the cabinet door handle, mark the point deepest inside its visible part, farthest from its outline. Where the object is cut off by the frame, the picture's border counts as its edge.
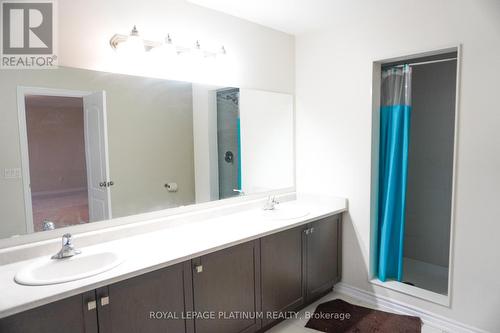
(312, 230)
(102, 184)
(198, 268)
(104, 300)
(91, 305)
(307, 231)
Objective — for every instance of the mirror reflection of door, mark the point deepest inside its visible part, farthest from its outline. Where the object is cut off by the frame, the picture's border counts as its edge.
(66, 154)
(228, 143)
(96, 149)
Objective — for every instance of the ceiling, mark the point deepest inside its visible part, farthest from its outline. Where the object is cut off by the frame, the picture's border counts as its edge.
(290, 16)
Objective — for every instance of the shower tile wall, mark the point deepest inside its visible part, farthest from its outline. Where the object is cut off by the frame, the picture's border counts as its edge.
(228, 142)
(427, 229)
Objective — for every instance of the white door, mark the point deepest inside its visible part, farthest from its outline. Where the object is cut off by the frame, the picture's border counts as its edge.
(96, 153)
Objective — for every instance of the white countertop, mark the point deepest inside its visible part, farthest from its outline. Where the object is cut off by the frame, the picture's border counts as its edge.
(154, 250)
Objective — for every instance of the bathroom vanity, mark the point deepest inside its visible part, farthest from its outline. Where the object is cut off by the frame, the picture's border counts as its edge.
(246, 284)
(168, 190)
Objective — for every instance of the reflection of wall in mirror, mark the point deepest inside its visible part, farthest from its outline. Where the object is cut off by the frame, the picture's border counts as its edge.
(205, 142)
(267, 129)
(150, 129)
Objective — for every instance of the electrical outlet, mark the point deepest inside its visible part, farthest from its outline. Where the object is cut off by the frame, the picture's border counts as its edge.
(12, 173)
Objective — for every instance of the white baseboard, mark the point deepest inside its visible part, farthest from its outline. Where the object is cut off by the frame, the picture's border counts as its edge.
(385, 303)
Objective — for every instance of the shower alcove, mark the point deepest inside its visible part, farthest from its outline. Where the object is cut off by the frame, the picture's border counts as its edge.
(427, 220)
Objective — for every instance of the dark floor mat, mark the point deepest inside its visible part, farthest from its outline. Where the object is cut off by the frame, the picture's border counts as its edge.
(339, 316)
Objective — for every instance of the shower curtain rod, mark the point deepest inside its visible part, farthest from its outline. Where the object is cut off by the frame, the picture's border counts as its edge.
(424, 62)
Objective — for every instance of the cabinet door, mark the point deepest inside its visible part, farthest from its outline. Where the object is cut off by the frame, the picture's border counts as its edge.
(228, 282)
(322, 264)
(75, 314)
(153, 302)
(282, 272)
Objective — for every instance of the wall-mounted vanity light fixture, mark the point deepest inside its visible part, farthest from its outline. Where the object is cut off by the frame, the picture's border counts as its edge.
(165, 48)
(134, 43)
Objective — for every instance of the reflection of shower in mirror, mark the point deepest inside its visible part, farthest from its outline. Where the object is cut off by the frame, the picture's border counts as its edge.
(233, 97)
(228, 142)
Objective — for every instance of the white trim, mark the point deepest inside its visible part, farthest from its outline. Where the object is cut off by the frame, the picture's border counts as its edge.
(413, 291)
(388, 304)
(454, 176)
(376, 64)
(106, 149)
(23, 146)
(41, 91)
(419, 63)
(374, 171)
(404, 55)
(22, 91)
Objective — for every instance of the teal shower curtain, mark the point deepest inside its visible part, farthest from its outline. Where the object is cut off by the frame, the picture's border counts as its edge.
(395, 114)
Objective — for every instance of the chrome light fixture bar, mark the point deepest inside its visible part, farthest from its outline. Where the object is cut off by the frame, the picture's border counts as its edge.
(118, 39)
(204, 53)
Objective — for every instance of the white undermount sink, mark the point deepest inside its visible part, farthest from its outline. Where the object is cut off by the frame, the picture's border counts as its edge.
(47, 271)
(285, 212)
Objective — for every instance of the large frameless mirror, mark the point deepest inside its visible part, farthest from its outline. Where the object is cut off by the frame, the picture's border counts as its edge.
(79, 146)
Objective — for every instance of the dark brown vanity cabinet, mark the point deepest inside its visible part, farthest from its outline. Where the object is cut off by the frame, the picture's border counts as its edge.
(153, 302)
(67, 315)
(226, 286)
(323, 250)
(229, 291)
(282, 258)
(298, 266)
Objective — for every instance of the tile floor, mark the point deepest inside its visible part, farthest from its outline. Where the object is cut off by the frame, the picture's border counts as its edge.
(426, 276)
(297, 325)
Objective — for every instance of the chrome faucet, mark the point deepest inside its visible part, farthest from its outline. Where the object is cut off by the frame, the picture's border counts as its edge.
(271, 203)
(240, 192)
(48, 225)
(67, 250)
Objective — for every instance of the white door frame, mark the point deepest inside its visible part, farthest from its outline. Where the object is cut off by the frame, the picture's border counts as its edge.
(22, 91)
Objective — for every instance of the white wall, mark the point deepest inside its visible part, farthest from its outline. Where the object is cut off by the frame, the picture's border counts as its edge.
(267, 152)
(257, 57)
(334, 112)
(206, 171)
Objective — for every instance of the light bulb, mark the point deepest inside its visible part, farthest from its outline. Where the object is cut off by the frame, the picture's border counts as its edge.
(134, 45)
(167, 49)
(198, 52)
